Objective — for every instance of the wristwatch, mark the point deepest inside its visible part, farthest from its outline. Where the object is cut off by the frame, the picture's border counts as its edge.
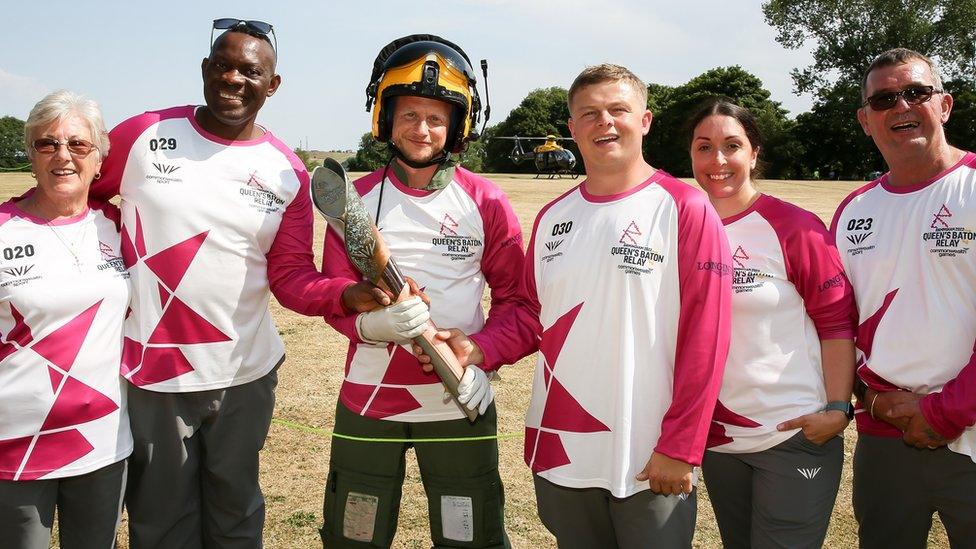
(842, 405)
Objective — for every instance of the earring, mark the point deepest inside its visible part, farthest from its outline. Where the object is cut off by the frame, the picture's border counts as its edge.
(98, 175)
(33, 175)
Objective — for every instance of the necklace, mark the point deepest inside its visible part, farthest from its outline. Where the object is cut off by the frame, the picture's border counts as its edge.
(74, 245)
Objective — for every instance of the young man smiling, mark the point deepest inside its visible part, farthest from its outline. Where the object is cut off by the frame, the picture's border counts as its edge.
(627, 287)
(906, 242)
(215, 213)
(628, 280)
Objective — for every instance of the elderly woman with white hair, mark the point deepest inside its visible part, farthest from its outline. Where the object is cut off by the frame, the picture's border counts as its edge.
(64, 291)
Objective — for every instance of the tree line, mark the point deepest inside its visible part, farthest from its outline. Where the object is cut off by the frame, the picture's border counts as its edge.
(826, 141)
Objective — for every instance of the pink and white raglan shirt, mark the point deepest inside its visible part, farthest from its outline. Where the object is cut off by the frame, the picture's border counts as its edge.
(208, 225)
(789, 293)
(632, 294)
(910, 253)
(452, 242)
(64, 292)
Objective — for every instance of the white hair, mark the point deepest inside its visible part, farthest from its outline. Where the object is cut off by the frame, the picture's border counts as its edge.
(59, 105)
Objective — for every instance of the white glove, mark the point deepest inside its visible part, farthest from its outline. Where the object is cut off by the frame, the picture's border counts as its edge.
(474, 390)
(399, 322)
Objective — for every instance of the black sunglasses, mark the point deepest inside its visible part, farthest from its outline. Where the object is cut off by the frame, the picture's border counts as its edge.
(77, 147)
(260, 27)
(913, 95)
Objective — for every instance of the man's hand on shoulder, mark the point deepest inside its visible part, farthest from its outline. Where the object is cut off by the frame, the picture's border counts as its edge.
(465, 349)
(667, 476)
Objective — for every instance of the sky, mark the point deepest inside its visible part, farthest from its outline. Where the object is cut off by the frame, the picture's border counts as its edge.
(136, 56)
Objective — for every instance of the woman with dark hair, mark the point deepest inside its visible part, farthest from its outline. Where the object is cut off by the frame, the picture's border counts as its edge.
(775, 453)
(64, 291)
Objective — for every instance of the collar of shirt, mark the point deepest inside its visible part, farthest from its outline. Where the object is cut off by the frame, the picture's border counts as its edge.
(441, 178)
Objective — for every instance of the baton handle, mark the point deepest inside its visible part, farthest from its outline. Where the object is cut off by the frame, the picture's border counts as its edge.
(445, 364)
(442, 358)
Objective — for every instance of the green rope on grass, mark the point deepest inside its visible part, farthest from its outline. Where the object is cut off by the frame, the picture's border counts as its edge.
(16, 169)
(326, 432)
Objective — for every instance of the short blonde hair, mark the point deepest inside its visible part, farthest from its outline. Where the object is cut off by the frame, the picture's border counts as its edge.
(606, 72)
(60, 104)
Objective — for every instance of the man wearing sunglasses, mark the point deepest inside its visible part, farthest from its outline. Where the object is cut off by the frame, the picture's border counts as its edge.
(216, 216)
(907, 242)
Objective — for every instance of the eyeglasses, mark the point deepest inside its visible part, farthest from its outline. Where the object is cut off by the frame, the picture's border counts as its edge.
(260, 27)
(77, 147)
(913, 95)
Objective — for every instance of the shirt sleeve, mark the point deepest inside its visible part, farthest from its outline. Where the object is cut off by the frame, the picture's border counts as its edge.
(704, 328)
(953, 409)
(292, 275)
(336, 264)
(503, 339)
(528, 307)
(121, 137)
(815, 269)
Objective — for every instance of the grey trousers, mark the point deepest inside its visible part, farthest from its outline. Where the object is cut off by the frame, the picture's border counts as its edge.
(898, 487)
(777, 498)
(589, 518)
(193, 478)
(88, 507)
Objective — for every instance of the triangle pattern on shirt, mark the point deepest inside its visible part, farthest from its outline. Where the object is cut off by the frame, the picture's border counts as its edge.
(565, 413)
(20, 334)
(163, 295)
(717, 435)
(724, 415)
(53, 451)
(140, 237)
(405, 369)
(131, 356)
(160, 364)
(61, 346)
(867, 329)
(77, 403)
(13, 450)
(395, 400)
(544, 450)
(171, 264)
(390, 401)
(554, 337)
(7, 349)
(183, 326)
(56, 378)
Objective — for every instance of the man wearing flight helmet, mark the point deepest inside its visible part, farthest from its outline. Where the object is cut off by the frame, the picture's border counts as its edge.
(452, 231)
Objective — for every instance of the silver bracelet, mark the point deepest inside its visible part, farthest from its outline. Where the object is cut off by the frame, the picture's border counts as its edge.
(871, 409)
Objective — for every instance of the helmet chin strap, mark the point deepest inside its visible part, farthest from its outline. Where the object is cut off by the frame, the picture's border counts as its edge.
(441, 158)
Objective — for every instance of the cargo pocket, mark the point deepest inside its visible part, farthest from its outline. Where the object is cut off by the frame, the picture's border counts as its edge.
(361, 510)
(466, 512)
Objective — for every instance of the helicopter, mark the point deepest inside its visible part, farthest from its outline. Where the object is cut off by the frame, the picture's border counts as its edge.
(551, 159)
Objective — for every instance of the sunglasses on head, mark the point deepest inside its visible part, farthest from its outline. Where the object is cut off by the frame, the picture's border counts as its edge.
(259, 27)
(77, 147)
(913, 95)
